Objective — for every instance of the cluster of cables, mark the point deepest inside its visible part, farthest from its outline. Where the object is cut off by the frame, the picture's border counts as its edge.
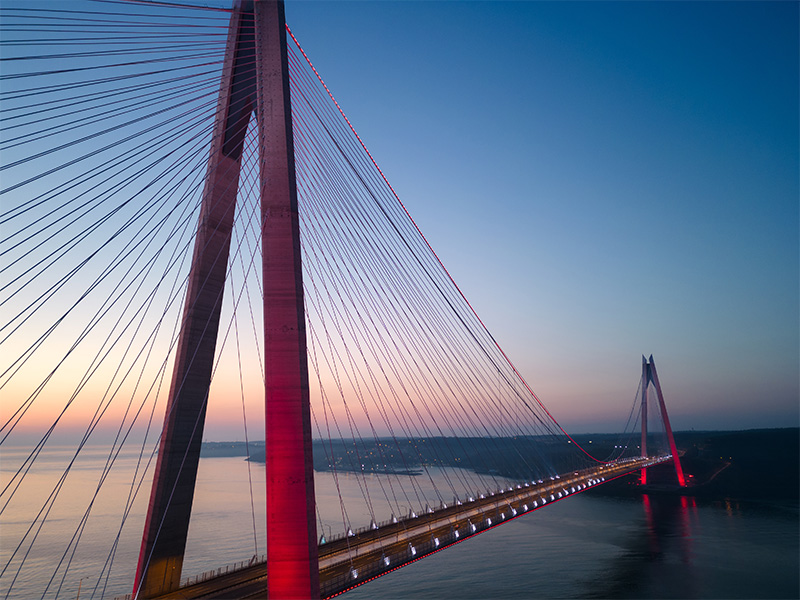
(107, 109)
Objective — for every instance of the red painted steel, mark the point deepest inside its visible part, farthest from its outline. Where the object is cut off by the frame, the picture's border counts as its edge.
(164, 540)
(649, 374)
(672, 447)
(645, 382)
(292, 558)
(255, 76)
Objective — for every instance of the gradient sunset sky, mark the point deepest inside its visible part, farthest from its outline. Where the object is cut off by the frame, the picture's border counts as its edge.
(603, 180)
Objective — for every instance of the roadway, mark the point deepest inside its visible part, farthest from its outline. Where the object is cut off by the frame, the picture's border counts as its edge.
(351, 560)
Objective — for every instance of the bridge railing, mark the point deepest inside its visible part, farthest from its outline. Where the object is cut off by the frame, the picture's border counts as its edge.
(232, 568)
(360, 530)
(379, 548)
(411, 517)
(390, 561)
(374, 553)
(207, 575)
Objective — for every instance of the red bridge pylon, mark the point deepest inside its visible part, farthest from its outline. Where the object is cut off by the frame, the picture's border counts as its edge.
(255, 78)
(650, 375)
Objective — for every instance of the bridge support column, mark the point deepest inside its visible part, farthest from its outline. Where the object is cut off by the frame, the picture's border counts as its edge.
(650, 375)
(292, 555)
(672, 447)
(645, 383)
(167, 524)
(255, 76)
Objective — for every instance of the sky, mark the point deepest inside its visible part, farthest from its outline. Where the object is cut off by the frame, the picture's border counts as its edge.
(602, 180)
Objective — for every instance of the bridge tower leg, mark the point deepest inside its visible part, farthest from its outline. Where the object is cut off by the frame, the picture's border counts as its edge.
(254, 77)
(292, 558)
(653, 376)
(645, 383)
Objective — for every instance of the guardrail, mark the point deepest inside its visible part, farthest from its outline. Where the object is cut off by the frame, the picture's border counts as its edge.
(207, 575)
(352, 558)
(232, 568)
(366, 557)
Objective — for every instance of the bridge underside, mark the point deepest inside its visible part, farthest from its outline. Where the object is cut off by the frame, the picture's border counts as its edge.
(352, 560)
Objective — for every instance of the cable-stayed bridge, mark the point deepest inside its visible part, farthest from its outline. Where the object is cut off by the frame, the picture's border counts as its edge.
(188, 218)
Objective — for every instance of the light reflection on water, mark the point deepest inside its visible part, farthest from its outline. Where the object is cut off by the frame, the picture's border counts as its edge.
(599, 547)
(589, 547)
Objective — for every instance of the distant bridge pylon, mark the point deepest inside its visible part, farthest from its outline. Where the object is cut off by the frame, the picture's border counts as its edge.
(650, 375)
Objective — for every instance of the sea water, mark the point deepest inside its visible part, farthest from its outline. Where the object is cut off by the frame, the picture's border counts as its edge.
(585, 546)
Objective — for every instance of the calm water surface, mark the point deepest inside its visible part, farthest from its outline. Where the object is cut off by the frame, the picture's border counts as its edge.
(583, 547)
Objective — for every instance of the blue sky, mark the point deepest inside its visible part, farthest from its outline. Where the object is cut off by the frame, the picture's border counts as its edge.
(602, 179)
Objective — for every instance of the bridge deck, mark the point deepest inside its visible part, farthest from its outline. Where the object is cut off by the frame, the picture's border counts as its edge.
(351, 560)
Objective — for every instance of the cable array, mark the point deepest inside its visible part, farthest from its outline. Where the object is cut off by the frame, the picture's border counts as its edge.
(107, 110)
(434, 392)
(106, 119)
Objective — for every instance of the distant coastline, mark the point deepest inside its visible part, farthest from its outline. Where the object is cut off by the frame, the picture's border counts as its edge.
(754, 463)
(254, 452)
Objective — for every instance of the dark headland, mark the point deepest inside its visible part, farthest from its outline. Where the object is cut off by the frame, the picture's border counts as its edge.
(755, 463)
